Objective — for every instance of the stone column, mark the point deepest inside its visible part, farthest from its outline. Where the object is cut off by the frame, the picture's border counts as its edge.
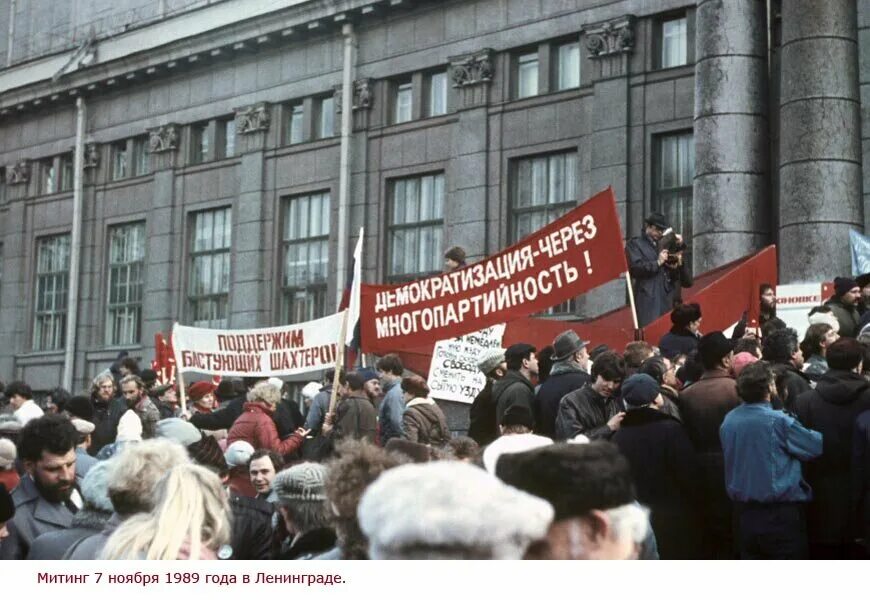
(731, 200)
(820, 147)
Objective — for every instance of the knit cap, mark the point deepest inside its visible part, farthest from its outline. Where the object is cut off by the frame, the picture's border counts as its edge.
(301, 483)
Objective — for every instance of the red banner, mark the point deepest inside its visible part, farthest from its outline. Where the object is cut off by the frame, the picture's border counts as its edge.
(576, 253)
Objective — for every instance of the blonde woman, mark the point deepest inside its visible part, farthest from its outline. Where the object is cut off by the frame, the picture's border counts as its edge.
(189, 522)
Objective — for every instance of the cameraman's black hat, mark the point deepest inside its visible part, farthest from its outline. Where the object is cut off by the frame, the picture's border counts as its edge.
(657, 219)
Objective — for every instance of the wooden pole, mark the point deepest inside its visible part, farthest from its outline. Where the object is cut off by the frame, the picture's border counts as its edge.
(631, 303)
(339, 361)
(182, 394)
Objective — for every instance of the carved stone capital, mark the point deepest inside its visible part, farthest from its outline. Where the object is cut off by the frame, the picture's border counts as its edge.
(363, 95)
(163, 138)
(254, 118)
(472, 69)
(612, 37)
(18, 173)
(92, 155)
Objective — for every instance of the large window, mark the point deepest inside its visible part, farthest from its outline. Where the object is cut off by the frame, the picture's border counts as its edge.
(126, 275)
(527, 75)
(326, 122)
(568, 66)
(543, 188)
(141, 164)
(674, 165)
(416, 226)
(227, 129)
(52, 281)
(66, 172)
(306, 257)
(49, 176)
(119, 160)
(209, 282)
(403, 101)
(437, 94)
(199, 143)
(674, 43)
(293, 127)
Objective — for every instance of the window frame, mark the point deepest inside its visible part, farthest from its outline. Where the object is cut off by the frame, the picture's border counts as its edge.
(658, 38)
(66, 182)
(322, 112)
(48, 176)
(224, 147)
(193, 254)
(110, 339)
(559, 68)
(317, 291)
(679, 193)
(418, 225)
(57, 315)
(519, 61)
(200, 143)
(400, 87)
(290, 109)
(120, 161)
(430, 93)
(140, 163)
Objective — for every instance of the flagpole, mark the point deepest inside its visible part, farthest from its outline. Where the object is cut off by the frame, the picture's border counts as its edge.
(339, 361)
(182, 395)
(632, 304)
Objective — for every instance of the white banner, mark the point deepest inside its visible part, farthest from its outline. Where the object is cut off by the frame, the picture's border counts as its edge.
(271, 352)
(453, 373)
(794, 301)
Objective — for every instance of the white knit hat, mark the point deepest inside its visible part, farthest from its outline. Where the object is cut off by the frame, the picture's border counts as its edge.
(129, 428)
(238, 453)
(441, 509)
(510, 444)
(311, 389)
(8, 453)
(827, 319)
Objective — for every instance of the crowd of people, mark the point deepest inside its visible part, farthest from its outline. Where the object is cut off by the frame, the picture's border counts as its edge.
(711, 446)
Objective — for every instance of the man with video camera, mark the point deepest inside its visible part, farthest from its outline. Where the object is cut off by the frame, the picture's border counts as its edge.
(655, 262)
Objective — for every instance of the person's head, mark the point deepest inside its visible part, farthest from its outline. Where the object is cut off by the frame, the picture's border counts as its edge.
(781, 346)
(371, 384)
(449, 510)
(569, 346)
(103, 388)
(133, 389)
(18, 393)
(168, 395)
(655, 226)
(414, 386)
(262, 468)
(521, 357)
(491, 362)
(641, 391)
(7, 511)
(463, 448)
(356, 466)
(95, 489)
(847, 290)
(637, 352)
(136, 471)
(149, 377)
(329, 378)
(716, 351)
(47, 449)
(817, 339)
(687, 317)
(608, 371)
(741, 360)
(545, 363)
(310, 390)
(863, 282)
(355, 382)
(750, 345)
(591, 489)
(207, 453)
(660, 369)
(516, 419)
(390, 369)
(692, 369)
(846, 354)
(238, 454)
(266, 395)
(756, 383)
(767, 297)
(190, 514)
(201, 395)
(454, 258)
(301, 497)
(84, 429)
(128, 366)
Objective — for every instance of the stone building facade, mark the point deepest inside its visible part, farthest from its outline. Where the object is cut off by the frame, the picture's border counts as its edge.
(213, 148)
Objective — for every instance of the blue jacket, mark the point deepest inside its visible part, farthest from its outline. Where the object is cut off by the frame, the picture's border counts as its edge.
(390, 413)
(655, 286)
(763, 450)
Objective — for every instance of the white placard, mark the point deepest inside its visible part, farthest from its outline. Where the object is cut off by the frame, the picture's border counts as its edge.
(453, 373)
(793, 304)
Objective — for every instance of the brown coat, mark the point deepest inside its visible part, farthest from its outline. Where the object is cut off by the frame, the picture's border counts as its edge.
(424, 422)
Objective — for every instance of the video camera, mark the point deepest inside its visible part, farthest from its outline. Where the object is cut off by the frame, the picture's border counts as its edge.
(673, 245)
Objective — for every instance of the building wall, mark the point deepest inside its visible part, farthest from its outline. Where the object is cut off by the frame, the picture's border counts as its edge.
(611, 120)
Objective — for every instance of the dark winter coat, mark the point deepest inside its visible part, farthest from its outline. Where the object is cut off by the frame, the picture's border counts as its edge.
(90, 547)
(586, 411)
(256, 427)
(703, 406)
(309, 545)
(656, 287)
(106, 418)
(847, 317)
(861, 479)
(483, 426)
(794, 384)
(763, 318)
(424, 422)
(252, 528)
(54, 544)
(34, 516)
(832, 409)
(549, 396)
(665, 474)
(513, 389)
(357, 418)
(288, 418)
(222, 418)
(678, 341)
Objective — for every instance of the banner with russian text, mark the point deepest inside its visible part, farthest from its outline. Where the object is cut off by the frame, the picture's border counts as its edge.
(572, 255)
(270, 352)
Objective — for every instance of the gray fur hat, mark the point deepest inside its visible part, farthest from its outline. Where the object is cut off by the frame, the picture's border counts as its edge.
(449, 510)
(95, 486)
(302, 482)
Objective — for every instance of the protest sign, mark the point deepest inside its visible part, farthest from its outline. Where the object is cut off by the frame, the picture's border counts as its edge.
(453, 374)
(574, 254)
(793, 303)
(270, 352)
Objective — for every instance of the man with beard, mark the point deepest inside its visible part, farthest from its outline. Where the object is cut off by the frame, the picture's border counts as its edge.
(46, 499)
(137, 400)
(107, 411)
